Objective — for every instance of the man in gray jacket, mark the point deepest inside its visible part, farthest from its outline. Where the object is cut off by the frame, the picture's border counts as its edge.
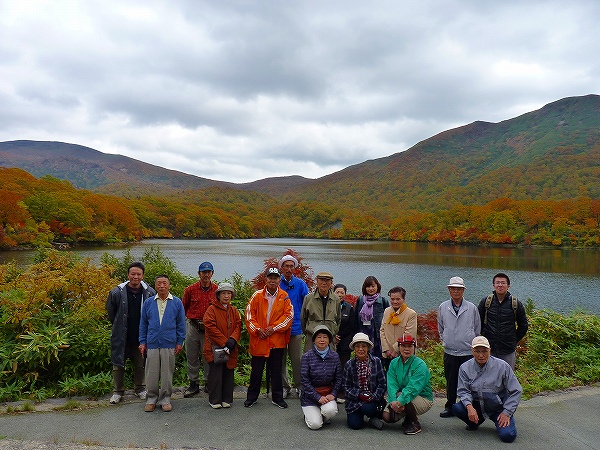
(458, 324)
(124, 308)
(488, 389)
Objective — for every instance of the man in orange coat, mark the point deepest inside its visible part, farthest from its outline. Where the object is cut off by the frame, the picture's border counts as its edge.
(269, 317)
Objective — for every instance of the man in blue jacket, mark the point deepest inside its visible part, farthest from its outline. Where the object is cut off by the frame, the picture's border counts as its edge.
(162, 332)
(296, 290)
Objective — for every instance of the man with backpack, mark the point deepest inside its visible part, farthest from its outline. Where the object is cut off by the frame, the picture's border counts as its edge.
(503, 320)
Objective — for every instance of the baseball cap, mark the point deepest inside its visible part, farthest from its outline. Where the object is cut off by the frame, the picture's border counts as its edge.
(480, 341)
(205, 267)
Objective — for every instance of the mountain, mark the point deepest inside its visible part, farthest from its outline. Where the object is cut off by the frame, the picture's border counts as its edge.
(552, 153)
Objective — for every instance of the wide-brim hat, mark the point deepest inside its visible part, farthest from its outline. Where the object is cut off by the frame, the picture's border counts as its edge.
(457, 282)
(361, 337)
(225, 287)
(322, 329)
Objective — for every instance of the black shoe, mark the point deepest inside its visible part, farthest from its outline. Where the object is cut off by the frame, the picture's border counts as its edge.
(376, 423)
(413, 428)
(471, 427)
(192, 390)
(249, 403)
(446, 413)
(205, 388)
(281, 403)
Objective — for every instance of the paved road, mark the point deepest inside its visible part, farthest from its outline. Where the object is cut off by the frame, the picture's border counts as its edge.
(560, 420)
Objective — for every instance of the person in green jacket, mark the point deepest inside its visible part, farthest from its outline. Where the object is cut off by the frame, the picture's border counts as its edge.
(408, 386)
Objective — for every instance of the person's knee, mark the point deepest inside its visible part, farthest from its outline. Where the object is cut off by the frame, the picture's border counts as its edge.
(312, 424)
(354, 423)
(507, 434)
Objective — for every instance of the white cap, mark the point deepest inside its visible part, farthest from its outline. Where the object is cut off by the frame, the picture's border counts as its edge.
(457, 282)
(288, 258)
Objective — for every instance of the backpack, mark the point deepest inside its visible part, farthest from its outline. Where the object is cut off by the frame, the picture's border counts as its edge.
(488, 302)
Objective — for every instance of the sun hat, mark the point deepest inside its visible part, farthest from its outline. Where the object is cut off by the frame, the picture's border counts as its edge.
(205, 267)
(225, 287)
(272, 271)
(322, 329)
(288, 258)
(325, 275)
(407, 339)
(457, 282)
(480, 341)
(360, 337)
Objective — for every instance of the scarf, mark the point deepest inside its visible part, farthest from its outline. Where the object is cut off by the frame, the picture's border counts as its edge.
(363, 373)
(394, 318)
(322, 353)
(366, 312)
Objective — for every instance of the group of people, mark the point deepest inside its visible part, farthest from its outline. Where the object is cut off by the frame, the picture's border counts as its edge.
(361, 355)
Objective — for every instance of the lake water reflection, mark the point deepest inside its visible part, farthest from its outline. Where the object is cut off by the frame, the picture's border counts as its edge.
(562, 280)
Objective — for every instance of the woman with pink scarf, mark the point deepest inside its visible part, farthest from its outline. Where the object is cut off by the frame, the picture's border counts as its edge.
(369, 312)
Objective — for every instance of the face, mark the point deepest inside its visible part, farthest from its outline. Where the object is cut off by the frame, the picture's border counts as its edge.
(288, 269)
(456, 293)
(323, 285)
(205, 277)
(361, 350)
(481, 354)
(407, 350)
(322, 341)
(395, 299)
(225, 297)
(340, 292)
(371, 289)
(135, 277)
(501, 285)
(162, 287)
(272, 283)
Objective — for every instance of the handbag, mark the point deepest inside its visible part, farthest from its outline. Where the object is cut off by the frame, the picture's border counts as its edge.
(220, 356)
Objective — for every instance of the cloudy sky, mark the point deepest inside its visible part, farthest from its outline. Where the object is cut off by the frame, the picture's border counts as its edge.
(243, 90)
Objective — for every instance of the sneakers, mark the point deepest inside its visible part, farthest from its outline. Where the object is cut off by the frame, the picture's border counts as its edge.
(205, 388)
(446, 413)
(226, 405)
(192, 390)
(142, 395)
(376, 423)
(281, 403)
(286, 392)
(216, 406)
(116, 398)
(166, 407)
(149, 407)
(413, 428)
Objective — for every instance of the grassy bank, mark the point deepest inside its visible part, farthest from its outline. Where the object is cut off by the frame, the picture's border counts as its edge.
(55, 335)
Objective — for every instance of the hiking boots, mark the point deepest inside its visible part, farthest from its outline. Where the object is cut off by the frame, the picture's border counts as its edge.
(192, 390)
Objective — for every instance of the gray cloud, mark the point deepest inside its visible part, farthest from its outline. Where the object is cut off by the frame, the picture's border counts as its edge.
(239, 91)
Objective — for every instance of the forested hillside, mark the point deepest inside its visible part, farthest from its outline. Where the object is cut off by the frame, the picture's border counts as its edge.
(531, 180)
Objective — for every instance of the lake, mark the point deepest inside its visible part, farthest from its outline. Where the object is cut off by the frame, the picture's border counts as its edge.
(562, 280)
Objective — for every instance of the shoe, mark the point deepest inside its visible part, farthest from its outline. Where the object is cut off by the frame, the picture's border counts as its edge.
(205, 388)
(376, 423)
(166, 407)
(142, 395)
(249, 403)
(281, 403)
(286, 392)
(216, 406)
(192, 390)
(226, 405)
(116, 398)
(413, 428)
(472, 427)
(149, 407)
(446, 413)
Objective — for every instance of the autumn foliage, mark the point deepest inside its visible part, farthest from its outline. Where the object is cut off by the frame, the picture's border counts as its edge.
(302, 271)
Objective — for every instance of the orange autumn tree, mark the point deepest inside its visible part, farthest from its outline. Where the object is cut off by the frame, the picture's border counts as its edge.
(303, 271)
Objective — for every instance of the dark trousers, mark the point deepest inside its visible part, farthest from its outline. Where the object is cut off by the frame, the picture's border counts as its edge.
(506, 434)
(220, 384)
(355, 419)
(257, 365)
(451, 366)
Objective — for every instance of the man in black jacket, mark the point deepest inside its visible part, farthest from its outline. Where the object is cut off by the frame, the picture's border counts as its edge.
(503, 320)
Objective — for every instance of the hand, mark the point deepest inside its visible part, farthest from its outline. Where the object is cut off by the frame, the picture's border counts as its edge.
(269, 330)
(397, 406)
(178, 349)
(262, 334)
(365, 397)
(473, 417)
(323, 400)
(503, 420)
(142, 348)
(337, 339)
(330, 398)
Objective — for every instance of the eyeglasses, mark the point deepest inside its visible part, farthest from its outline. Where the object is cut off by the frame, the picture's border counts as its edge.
(500, 283)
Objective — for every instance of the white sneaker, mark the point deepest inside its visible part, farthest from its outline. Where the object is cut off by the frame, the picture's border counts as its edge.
(142, 395)
(226, 405)
(286, 392)
(216, 406)
(116, 398)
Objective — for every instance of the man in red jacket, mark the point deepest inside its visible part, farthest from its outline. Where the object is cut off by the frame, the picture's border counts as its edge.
(269, 317)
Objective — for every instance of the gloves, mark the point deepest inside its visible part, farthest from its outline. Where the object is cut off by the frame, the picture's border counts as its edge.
(230, 344)
(365, 397)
